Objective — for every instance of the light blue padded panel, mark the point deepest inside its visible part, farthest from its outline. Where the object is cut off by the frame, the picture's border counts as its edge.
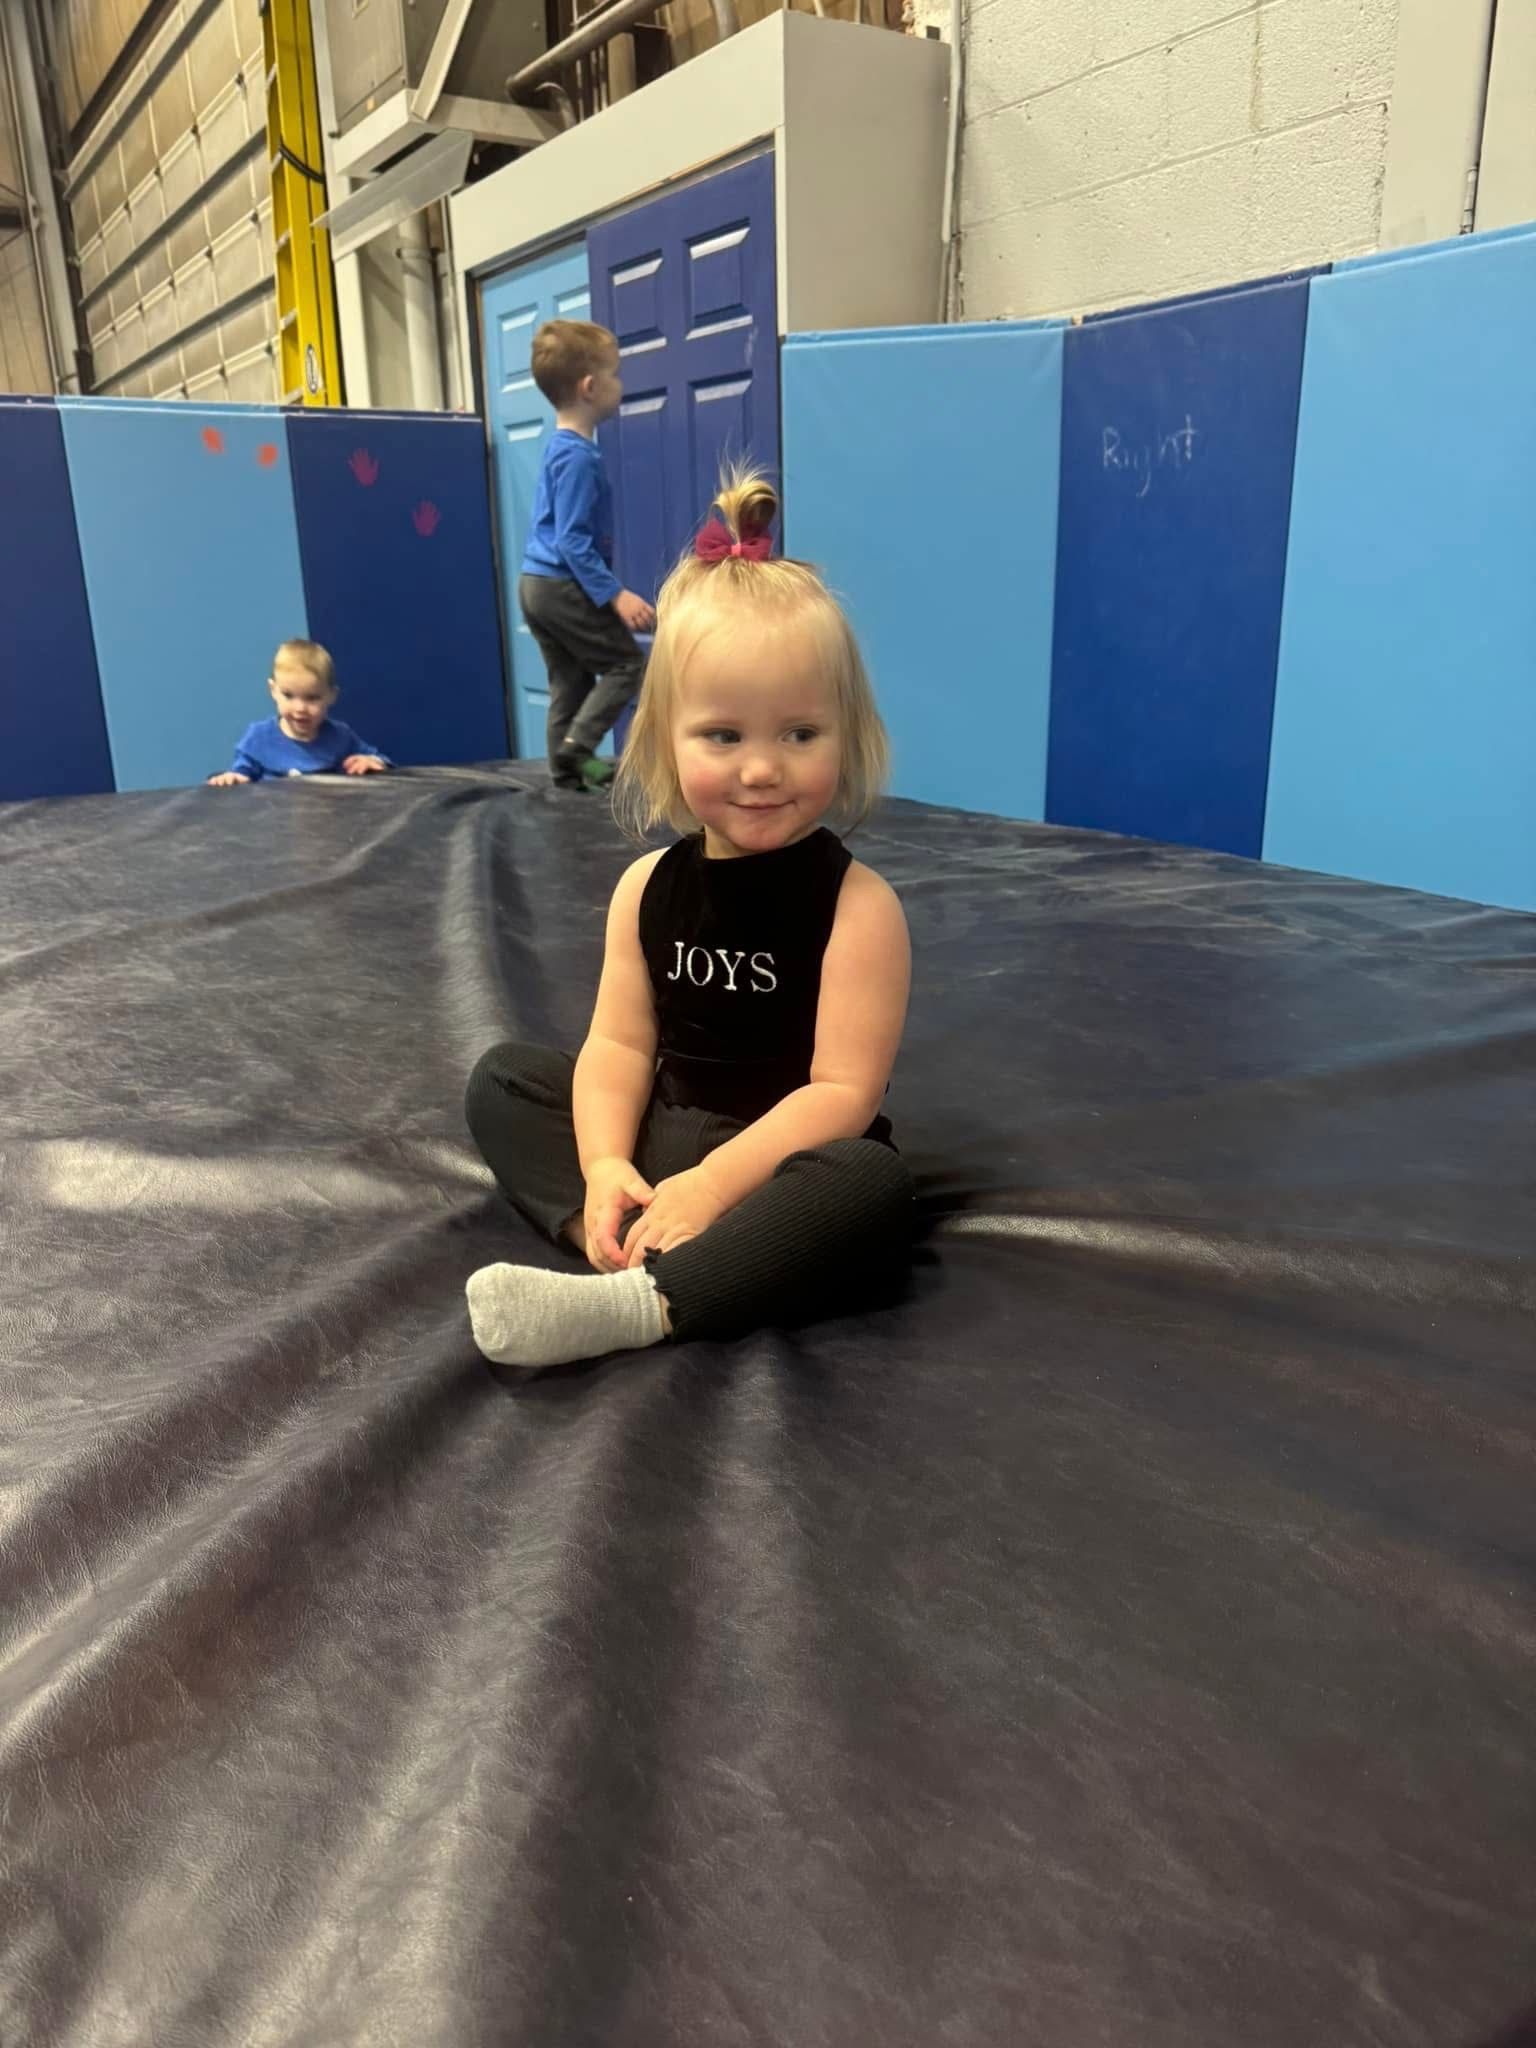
(1415, 251)
(920, 472)
(191, 554)
(1404, 743)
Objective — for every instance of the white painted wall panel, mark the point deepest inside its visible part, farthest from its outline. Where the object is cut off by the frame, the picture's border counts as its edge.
(1506, 192)
(1437, 105)
(860, 220)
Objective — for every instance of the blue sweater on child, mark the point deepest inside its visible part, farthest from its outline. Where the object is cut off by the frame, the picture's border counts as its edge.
(266, 750)
(572, 530)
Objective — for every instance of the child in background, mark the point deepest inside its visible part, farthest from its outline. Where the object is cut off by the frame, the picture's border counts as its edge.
(582, 617)
(717, 1152)
(303, 739)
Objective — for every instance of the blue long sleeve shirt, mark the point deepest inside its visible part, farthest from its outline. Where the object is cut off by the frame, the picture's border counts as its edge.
(265, 749)
(572, 530)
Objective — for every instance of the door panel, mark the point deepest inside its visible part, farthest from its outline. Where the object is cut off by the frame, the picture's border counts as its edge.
(513, 307)
(688, 284)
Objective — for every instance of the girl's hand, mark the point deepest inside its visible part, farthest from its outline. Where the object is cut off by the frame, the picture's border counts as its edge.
(614, 1187)
(363, 764)
(683, 1206)
(227, 780)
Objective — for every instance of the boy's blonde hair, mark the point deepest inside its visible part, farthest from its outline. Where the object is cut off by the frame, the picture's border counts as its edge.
(702, 597)
(310, 656)
(565, 351)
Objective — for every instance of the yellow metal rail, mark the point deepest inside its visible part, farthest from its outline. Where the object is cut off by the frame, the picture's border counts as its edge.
(309, 358)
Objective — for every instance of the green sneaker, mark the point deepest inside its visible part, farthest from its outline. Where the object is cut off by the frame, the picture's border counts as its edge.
(597, 774)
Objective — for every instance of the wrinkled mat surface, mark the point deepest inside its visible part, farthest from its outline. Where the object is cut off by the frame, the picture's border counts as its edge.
(1129, 1640)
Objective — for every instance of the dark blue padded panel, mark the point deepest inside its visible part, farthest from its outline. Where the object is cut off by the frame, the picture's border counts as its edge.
(395, 538)
(1178, 440)
(185, 515)
(53, 731)
(1405, 719)
(920, 471)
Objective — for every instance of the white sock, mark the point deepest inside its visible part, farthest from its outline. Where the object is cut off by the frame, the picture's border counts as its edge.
(522, 1315)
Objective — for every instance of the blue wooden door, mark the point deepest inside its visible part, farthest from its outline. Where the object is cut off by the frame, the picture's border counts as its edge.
(513, 306)
(688, 284)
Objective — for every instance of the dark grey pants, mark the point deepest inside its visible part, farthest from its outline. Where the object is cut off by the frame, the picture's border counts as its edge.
(595, 667)
(831, 1232)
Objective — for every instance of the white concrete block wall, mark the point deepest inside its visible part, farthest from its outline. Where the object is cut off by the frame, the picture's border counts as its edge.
(1121, 150)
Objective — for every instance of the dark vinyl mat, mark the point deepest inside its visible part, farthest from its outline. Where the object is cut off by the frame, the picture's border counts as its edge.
(1126, 1642)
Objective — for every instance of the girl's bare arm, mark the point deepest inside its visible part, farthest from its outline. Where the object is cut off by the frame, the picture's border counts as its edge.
(616, 1069)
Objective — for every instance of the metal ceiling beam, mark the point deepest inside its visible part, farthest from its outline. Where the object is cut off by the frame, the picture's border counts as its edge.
(391, 128)
(434, 73)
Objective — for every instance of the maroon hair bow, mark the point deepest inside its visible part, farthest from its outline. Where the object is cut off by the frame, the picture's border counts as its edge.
(714, 544)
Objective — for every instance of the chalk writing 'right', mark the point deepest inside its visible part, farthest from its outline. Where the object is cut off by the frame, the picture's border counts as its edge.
(1176, 450)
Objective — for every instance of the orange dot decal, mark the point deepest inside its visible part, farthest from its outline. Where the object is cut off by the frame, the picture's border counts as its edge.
(266, 454)
(213, 440)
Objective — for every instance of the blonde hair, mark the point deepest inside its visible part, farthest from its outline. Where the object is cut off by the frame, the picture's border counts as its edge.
(565, 351)
(310, 656)
(701, 597)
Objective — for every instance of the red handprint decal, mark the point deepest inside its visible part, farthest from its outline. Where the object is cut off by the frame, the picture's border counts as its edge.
(364, 467)
(266, 454)
(425, 518)
(213, 440)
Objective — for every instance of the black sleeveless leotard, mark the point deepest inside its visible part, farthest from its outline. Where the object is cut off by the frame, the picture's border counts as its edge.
(734, 949)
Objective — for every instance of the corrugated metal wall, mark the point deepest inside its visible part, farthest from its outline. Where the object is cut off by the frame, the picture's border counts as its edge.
(171, 204)
(87, 36)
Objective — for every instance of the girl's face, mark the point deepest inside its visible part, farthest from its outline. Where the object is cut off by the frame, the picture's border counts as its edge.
(755, 738)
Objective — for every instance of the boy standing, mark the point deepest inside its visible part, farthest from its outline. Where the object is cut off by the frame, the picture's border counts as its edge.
(582, 617)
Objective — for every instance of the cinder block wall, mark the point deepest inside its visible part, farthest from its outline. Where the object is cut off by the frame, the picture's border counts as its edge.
(1117, 150)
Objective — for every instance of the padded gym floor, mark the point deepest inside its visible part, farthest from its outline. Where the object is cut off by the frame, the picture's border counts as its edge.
(1128, 1638)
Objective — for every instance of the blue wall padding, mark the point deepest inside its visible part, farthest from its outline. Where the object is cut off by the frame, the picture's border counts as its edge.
(1178, 438)
(53, 732)
(1405, 720)
(186, 524)
(1415, 252)
(395, 534)
(920, 471)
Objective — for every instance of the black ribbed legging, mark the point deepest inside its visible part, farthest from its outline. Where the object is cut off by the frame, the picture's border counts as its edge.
(831, 1232)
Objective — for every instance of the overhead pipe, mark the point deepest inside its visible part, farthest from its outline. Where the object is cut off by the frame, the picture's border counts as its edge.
(55, 296)
(418, 287)
(947, 229)
(597, 30)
